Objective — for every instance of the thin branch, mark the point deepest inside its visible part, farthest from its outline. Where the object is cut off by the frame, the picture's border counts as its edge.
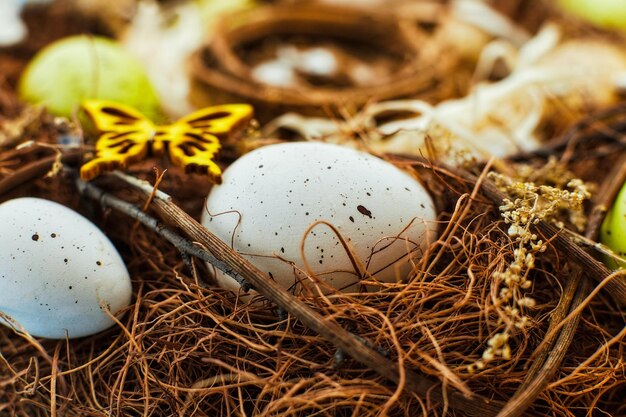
(185, 246)
(36, 169)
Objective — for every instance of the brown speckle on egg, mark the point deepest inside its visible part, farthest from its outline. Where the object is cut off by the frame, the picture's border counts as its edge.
(364, 211)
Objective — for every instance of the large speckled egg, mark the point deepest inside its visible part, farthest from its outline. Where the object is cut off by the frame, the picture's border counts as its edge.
(312, 213)
(58, 271)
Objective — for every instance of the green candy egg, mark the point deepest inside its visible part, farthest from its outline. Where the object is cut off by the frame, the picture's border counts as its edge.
(74, 69)
(605, 13)
(613, 231)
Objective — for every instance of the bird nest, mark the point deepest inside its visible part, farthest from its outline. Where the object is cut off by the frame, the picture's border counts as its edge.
(441, 341)
(374, 57)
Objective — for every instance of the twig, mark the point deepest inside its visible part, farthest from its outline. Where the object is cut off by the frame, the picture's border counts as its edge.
(347, 342)
(183, 245)
(36, 169)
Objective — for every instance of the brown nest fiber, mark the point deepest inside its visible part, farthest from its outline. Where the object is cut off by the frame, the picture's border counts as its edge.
(184, 348)
(222, 70)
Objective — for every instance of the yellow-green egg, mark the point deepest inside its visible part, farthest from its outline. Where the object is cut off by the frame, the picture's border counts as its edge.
(77, 68)
(605, 13)
(613, 232)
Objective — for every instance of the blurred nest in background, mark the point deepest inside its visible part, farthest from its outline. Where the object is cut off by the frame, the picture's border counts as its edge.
(187, 348)
(313, 59)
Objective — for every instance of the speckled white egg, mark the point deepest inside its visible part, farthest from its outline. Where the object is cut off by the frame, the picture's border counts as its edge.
(276, 206)
(58, 270)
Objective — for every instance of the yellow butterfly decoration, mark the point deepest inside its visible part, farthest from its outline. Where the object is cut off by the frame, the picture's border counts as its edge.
(127, 136)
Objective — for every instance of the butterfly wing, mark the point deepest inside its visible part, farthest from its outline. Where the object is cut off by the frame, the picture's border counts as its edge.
(220, 121)
(125, 136)
(194, 140)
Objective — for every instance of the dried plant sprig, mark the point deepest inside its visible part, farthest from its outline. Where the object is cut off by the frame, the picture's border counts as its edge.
(550, 354)
(529, 203)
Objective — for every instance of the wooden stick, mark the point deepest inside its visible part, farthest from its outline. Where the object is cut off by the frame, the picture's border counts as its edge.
(36, 169)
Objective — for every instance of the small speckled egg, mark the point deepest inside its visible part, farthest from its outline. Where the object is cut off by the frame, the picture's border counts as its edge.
(613, 231)
(288, 207)
(58, 270)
